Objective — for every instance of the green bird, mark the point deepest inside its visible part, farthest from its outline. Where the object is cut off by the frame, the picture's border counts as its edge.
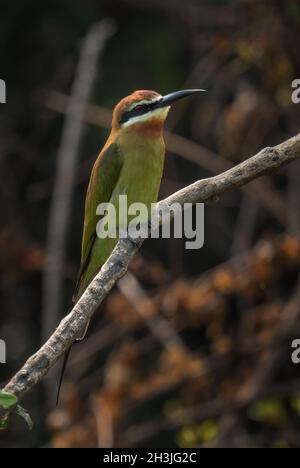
(130, 163)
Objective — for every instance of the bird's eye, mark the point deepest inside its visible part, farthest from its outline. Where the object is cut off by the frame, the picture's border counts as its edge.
(139, 107)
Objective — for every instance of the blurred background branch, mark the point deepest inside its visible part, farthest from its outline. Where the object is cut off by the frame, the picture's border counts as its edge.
(67, 158)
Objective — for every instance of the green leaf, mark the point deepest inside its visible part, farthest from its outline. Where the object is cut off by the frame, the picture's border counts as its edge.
(20, 411)
(7, 400)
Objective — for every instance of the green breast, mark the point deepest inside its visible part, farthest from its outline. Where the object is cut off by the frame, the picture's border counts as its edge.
(142, 170)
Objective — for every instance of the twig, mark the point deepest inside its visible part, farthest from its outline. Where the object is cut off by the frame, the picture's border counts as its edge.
(37, 366)
(72, 135)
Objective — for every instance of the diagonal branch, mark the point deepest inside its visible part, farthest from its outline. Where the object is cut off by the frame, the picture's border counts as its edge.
(37, 366)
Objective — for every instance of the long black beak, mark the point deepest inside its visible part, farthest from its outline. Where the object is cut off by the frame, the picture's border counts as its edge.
(172, 97)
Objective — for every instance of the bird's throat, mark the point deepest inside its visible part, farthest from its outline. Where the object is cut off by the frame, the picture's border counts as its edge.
(151, 128)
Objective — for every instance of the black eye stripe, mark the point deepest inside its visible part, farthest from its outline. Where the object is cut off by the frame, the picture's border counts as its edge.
(139, 109)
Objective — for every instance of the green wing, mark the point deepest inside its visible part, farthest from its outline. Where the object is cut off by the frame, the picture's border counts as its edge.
(104, 177)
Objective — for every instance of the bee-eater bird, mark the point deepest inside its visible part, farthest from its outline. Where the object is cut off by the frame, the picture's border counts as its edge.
(130, 163)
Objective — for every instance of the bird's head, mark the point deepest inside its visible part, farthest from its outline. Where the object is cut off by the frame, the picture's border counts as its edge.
(145, 111)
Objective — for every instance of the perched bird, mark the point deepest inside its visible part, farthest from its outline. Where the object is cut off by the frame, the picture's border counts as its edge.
(130, 163)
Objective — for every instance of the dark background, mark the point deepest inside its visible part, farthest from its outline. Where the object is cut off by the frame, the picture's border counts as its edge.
(223, 375)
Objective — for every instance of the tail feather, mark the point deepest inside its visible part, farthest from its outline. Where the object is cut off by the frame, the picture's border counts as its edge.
(66, 358)
(64, 365)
